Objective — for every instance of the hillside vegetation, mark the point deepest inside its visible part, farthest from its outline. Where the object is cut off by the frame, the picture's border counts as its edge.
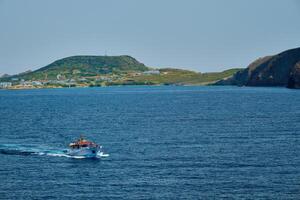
(81, 71)
(81, 66)
(184, 77)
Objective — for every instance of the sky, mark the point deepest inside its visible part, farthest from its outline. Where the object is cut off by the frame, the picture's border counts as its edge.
(200, 35)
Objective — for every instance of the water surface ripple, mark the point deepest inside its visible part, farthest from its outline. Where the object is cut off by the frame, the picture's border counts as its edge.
(164, 143)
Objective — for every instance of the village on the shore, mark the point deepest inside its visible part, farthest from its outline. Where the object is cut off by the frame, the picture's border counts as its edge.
(61, 81)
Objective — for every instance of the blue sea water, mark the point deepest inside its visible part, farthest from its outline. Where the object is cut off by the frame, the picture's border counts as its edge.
(163, 142)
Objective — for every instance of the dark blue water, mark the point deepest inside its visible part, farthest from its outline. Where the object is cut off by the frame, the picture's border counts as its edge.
(163, 143)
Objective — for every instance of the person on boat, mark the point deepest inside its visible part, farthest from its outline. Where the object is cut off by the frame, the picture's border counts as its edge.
(81, 139)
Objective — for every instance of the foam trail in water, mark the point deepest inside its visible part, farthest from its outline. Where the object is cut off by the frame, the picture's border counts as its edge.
(101, 154)
(13, 149)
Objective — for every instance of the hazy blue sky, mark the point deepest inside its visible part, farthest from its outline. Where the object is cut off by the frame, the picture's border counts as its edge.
(203, 35)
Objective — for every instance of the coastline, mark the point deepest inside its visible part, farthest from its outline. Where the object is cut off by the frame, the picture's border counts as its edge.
(146, 85)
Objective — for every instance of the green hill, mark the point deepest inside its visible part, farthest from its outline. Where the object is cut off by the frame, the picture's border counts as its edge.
(80, 66)
(110, 70)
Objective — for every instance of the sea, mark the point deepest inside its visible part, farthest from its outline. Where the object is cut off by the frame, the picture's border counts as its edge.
(159, 142)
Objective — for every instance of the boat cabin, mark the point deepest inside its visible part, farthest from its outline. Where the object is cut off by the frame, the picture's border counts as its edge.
(81, 143)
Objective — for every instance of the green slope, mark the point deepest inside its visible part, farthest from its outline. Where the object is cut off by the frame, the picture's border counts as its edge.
(184, 77)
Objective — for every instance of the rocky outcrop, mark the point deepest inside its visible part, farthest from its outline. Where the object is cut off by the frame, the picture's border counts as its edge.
(279, 70)
(294, 80)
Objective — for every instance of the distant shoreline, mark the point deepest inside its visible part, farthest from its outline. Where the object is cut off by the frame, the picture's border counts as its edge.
(111, 86)
(36, 88)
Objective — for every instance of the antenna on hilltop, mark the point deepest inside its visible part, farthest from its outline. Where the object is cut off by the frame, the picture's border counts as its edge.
(105, 53)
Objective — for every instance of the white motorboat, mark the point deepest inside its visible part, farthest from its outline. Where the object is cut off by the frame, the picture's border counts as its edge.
(83, 148)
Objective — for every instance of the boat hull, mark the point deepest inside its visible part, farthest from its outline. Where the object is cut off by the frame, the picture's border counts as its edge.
(88, 152)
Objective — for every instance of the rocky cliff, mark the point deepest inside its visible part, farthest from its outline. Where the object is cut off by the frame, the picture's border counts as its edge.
(282, 69)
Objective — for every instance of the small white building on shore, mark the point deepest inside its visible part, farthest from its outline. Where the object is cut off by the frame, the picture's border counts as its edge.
(5, 84)
(151, 72)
